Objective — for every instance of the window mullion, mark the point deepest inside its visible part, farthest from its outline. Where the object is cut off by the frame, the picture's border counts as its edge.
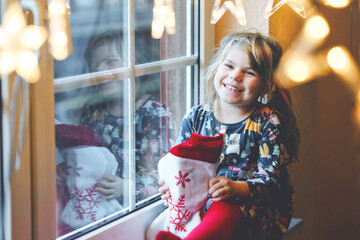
(131, 104)
(189, 19)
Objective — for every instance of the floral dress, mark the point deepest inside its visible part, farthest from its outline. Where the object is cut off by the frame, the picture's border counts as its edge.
(154, 134)
(252, 153)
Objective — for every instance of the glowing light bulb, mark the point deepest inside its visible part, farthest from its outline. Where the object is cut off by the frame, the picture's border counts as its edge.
(59, 39)
(57, 8)
(13, 25)
(298, 71)
(157, 29)
(337, 3)
(162, 10)
(317, 28)
(27, 60)
(14, 20)
(3, 37)
(33, 37)
(163, 18)
(337, 58)
(7, 62)
(60, 53)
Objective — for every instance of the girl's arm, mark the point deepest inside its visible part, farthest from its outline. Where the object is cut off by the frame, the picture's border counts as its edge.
(264, 184)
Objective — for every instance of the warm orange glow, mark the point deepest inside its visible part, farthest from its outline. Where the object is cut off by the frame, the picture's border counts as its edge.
(317, 28)
(357, 109)
(337, 58)
(298, 71)
(337, 3)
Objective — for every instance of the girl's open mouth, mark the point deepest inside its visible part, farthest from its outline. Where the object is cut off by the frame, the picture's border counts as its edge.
(232, 88)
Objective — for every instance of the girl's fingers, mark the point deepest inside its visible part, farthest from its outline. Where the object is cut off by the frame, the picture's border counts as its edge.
(165, 196)
(220, 198)
(215, 187)
(105, 184)
(110, 178)
(161, 182)
(163, 189)
(213, 181)
(104, 191)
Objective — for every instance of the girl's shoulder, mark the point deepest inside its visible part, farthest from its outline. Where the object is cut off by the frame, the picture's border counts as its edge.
(200, 110)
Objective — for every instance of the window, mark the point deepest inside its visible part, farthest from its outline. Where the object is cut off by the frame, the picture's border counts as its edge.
(119, 100)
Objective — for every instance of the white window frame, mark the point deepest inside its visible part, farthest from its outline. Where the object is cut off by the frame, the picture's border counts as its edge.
(135, 224)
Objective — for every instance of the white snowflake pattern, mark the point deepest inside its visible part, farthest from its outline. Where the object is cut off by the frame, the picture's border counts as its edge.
(187, 134)
(252, 144)
(154, 132)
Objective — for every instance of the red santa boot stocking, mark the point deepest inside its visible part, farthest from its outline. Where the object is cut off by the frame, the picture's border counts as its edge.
(219, 222)
(187, 170)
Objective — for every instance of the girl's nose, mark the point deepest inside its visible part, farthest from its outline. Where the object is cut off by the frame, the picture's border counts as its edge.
(237, 75)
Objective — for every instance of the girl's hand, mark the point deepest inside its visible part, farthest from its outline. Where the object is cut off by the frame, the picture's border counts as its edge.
(221, 188)
(61, 170)
(110, 186)
(165, 192)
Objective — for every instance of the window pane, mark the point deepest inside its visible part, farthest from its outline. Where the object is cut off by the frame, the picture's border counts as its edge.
(92, 154)
(148, 49)
(91, 19)
(108, 141)
(160, 107)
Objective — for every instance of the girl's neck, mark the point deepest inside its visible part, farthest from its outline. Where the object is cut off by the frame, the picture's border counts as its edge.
(230, 113)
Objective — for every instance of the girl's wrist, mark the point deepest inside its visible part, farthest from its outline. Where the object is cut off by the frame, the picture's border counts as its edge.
(242, 189)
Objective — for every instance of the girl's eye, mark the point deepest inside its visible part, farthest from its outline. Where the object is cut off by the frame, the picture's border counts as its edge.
(228, 65)
(250, 73)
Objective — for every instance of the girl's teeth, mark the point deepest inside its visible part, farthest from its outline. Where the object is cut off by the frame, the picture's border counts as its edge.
(232, 88)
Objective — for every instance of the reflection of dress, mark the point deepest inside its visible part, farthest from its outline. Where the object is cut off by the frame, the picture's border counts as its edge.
(154, 128)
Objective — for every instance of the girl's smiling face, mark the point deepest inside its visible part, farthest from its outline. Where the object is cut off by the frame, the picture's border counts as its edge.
(236, 83)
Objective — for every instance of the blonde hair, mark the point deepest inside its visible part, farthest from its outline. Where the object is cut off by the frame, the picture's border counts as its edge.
(264, 55)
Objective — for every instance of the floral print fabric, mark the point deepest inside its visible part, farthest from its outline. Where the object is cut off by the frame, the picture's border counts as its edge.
(154, 131)
(253, 153)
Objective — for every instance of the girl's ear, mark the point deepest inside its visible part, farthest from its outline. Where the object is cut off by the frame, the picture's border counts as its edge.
(264, 89)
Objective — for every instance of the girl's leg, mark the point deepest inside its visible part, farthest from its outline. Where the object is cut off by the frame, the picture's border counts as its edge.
(218, 223)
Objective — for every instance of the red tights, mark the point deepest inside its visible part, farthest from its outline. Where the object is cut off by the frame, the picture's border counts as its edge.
(218, 223)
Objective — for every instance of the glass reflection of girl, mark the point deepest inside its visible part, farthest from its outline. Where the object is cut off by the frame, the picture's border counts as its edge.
(154, 125)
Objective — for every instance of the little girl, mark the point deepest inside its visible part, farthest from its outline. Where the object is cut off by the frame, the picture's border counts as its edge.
(251, 197)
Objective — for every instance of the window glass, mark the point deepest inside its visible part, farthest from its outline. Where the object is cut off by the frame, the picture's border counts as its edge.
(169, 46)
(92, 155)
(114, 121)
(89, 20)
(159, 106)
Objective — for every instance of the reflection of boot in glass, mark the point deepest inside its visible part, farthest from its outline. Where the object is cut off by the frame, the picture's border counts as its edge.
(87, 160)
(187, 170)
